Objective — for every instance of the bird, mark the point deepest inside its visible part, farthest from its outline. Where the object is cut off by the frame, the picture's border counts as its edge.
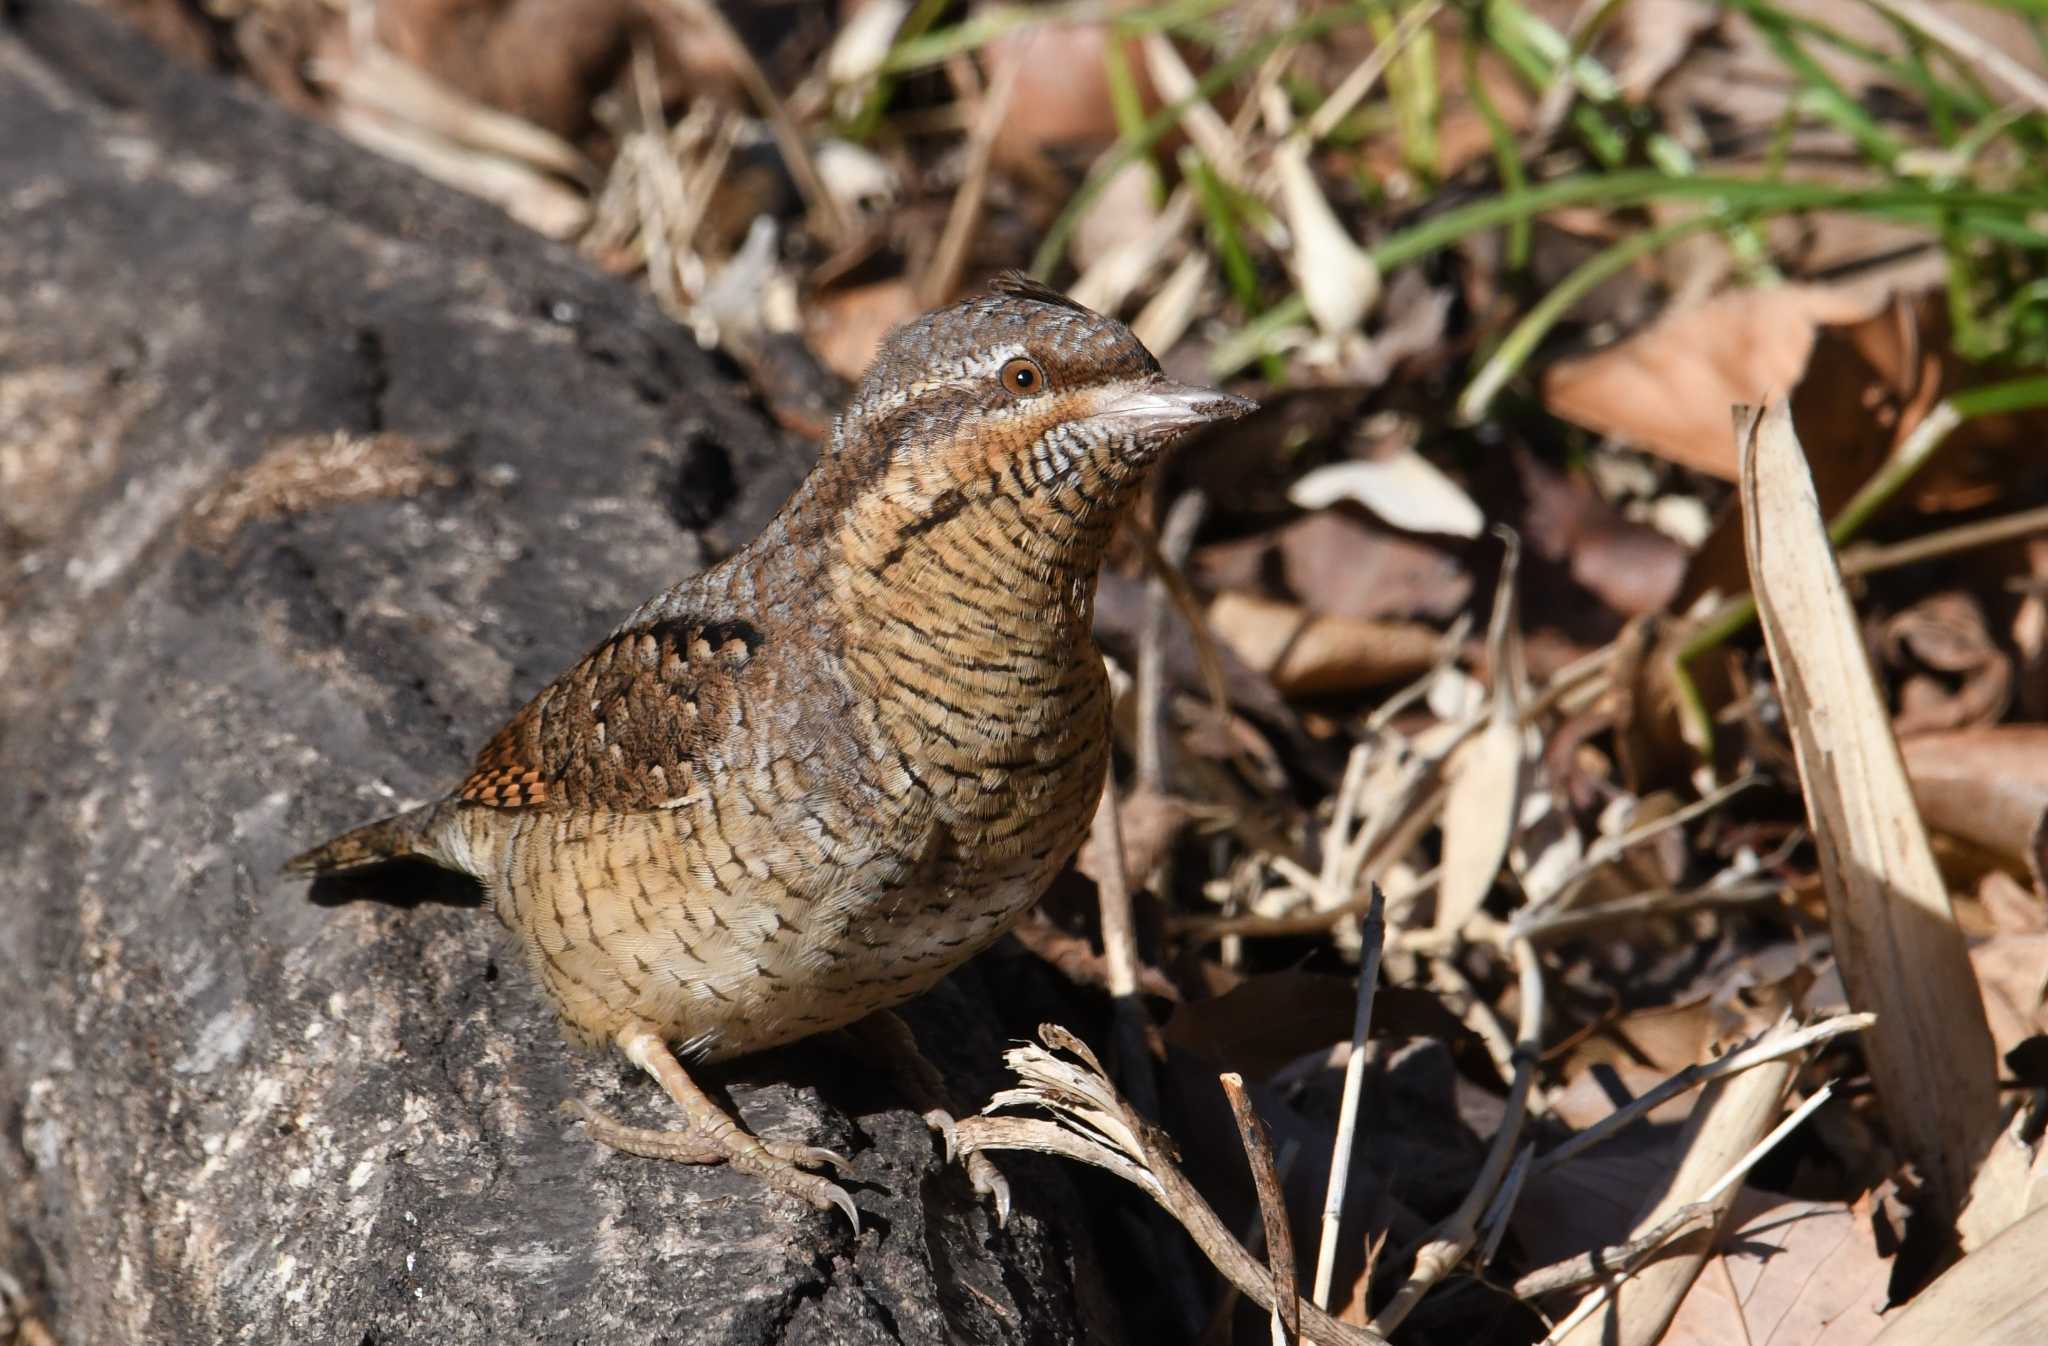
(796, 789)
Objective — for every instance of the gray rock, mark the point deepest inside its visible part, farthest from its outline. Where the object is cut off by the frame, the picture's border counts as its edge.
(236, 1114)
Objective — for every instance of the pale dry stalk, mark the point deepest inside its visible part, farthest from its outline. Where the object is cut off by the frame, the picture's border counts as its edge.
(1372, 941)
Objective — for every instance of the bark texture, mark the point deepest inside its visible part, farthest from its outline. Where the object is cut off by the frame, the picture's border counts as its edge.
(310, 472)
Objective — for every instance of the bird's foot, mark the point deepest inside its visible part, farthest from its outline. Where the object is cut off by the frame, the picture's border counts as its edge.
(781, 1164)
(888, 1036)
(988, 1180)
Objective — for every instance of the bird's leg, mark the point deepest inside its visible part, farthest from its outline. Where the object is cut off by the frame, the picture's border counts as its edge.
(712, 1136)
(889, 1037)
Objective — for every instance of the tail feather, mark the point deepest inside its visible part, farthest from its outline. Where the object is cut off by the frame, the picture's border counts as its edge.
(416, 832)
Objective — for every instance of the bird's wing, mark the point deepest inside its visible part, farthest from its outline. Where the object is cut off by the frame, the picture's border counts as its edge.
(625, 728)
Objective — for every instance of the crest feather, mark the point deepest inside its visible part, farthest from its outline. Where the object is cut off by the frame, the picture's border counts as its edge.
(1024, 287)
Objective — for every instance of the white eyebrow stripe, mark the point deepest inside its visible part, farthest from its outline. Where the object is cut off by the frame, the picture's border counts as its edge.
(991, 362)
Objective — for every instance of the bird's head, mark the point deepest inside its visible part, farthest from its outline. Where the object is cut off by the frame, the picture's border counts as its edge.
(1019, 413)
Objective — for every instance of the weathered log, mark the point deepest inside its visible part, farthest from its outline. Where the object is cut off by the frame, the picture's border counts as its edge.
(315, 472)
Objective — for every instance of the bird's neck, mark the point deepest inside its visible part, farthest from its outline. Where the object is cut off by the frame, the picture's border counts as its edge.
(974, 604)
(982, 574)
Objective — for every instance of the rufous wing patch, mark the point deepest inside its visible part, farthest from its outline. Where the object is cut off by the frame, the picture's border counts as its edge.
(620, 730)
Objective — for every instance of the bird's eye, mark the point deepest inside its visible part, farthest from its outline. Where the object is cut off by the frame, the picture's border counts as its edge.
(1021, 375)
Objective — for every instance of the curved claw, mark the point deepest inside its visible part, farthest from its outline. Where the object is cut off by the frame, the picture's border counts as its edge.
(989, 1182)
(779, 1164)
(941, 1121)
(813, 1156)
(835, 1195)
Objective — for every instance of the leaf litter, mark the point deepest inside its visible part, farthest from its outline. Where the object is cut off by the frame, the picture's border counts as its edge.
(1747, 752)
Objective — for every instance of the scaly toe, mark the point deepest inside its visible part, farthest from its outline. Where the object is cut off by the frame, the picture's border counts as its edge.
(807, 1156)
(941, 1121)
(989, 1182)
(781, 1173)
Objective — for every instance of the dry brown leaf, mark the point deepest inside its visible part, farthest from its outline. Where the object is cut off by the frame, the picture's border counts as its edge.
(1895, 935)
(1483, 779)
(1996, 1296)
(1732, 1115)
(1788, 1273)
(1751, 81)
(1307, 655)
(543, 63)
(1266, 1021)
(1630, 566)
(1149, 822)
(1481, 804)
(1635, 1053)
(1063, 96)
(1960, 677)
(1987, 786)
(1339, 564)
(846, 327)
(2012, 1183)
(2012, 968)
(1652, 36)
(1664, 388)
(1594, 1200)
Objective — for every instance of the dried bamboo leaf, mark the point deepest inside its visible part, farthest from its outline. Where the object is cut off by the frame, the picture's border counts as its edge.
(1733, 1114)
(1994, 1297)
(1483, 792)
(1900, 953)
(2012, 1183)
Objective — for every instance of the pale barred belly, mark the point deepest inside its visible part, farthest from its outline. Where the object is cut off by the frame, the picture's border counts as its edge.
(731, 935)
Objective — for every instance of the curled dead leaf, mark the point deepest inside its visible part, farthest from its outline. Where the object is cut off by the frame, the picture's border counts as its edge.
(1987, 786)
(1150, 822)
(1309, 655)
(1665, 388)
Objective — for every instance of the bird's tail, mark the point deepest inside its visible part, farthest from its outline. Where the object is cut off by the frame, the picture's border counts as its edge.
(416, 832)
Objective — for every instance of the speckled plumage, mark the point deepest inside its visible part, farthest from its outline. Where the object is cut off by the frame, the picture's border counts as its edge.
(799, 788)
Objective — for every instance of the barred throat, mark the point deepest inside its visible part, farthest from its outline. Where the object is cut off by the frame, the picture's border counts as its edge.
(980, 656)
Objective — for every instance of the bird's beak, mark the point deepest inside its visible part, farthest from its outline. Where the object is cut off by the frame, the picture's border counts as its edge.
(1159, 406)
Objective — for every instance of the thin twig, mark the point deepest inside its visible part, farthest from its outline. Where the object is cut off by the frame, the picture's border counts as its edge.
(1354, 86)
(1593, 1302)
(1607, 850)
(1869, 558)
(1201, 122)
(1218, 1331)
(826, 216)
(1447, 1245)
(1656, 902)
(1176, 538)
(1373, 940)
(1497, 1215)
(1615, 1259)
(1475, 1011)
(1397, 829)
(1120, 954)
(1097, 1126)
(1770, 1046)
(1079, 961)
(1258, 1151)
(376, 78)
(942, 275)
